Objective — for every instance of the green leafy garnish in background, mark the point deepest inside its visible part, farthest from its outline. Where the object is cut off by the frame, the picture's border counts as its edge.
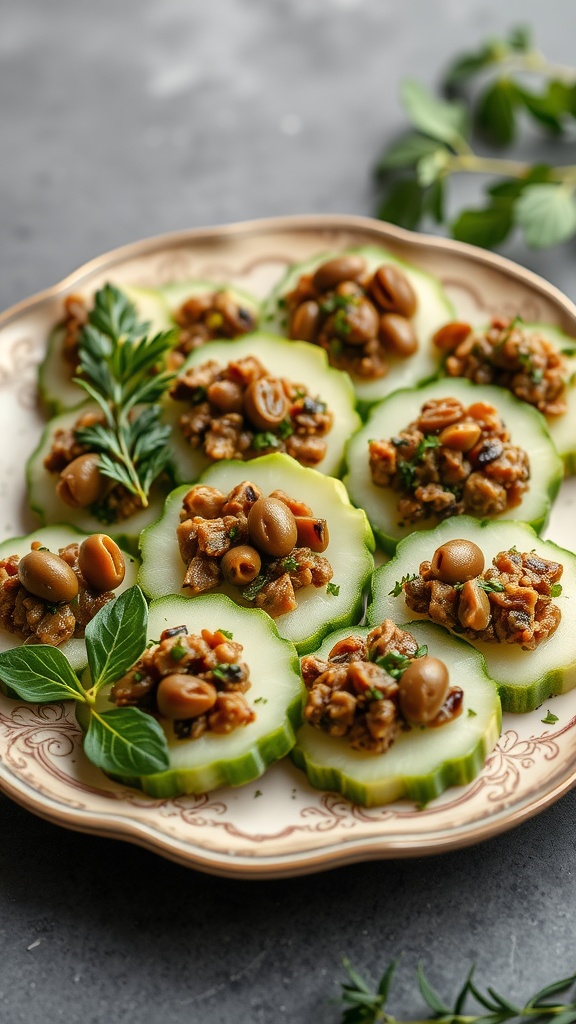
(539, 199)
(122, 740)
(366, 1004)
(119, 362)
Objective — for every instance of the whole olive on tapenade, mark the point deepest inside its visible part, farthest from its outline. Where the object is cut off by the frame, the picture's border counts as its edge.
(474, 610)
(397, 335)
(265, 403)
(184, 696)
(392, 291)
(48, 576)
(457, 561)
(240, 565)
(272, 527)
(423, 688)
(305, 321)
(333, 272)
(226, 395)
(81, 483)
(101, 562)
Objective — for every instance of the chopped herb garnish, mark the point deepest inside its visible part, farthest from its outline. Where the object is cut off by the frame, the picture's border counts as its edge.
(228, 673)
(399, 585)
(341, 325)
(178, 652)
(332, 588)
(290, 564)
(249, 592)
(335, 302)
(285, 429)
(261, 700)
(421, 651)
(555, 590)
(198, 395)
(266, 439)
(226, 633)
(490, 586)
(550, 719)
(393, 663)
(233, 534)
(257, 793)
(471, 713)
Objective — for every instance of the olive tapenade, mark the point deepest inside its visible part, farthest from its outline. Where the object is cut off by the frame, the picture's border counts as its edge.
(369, 688)
(511, 602)
(198, 682)
(49, 598)
(360, 318)
(451, 460)
(207, 315)
(268, 547)
(241, 410)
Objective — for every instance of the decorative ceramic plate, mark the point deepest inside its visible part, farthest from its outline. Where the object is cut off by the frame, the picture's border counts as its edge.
(278, 826)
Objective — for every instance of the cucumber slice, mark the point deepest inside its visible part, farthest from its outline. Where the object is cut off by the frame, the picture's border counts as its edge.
(49, 508)
(54, 538)
(349, 549)
(527, 428)
(57, 390)
(434, 309)
(276, 695)
(524, 678)
(177, 292)
(297, 361)
(422, 763)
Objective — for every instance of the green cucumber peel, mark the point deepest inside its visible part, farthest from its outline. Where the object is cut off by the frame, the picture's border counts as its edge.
(122, 739)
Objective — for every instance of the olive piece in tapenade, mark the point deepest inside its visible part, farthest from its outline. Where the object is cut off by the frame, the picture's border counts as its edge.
(473, 606)
(393, 291)
(398, 335)
(423, 688)
(226, 395)
(265, 403)
(272, 527)
(305, 321)
(240, 565)
(333, 272)
(101, 562)
(48, 576)
(457, 561)
(184, 696)
(312, 533)
(81, 483)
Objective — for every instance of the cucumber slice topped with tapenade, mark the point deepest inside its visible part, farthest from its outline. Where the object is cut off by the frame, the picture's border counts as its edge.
(452, 458)
(55, 384)
(340, 573)
(342, 310)
(205, 311)
(422, 761)
(100, 516)
(272, 701)
(525, 606)
(301, 405)
(534, 360)
(40, 607)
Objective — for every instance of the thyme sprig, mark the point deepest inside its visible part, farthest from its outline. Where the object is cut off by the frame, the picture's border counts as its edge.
(365, 1004)
(540, 199)
(118, 359)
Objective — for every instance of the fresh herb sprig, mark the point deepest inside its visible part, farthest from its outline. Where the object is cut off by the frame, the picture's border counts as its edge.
(365, 1004)
(118, 359)
(539, 199)
(123, 741)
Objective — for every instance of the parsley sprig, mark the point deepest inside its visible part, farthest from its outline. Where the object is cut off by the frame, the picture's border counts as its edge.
(366, 1004)
(540, 199)
(117, 358)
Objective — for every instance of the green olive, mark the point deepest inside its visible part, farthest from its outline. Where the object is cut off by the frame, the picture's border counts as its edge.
(101, 562)
(423, 688)
(48, 576)
(272, 527)
(457, 561)
(184, 696)
(265, 403)
(240, 565)
(81, 483)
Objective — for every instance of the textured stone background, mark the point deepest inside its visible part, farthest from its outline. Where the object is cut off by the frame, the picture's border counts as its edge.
(121, 120)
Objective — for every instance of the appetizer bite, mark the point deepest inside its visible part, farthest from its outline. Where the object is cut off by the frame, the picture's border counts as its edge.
(228, 403)
(373, 314)
(204, 311)
(395, 713)
(284, 538)
(447, 449)
(52, 584)
(536, 362)
(497, 584)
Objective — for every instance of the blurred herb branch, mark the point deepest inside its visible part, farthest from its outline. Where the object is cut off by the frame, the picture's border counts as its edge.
(365, 1004)
(486, 96)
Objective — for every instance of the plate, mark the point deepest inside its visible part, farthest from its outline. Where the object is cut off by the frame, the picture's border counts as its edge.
(278, 826)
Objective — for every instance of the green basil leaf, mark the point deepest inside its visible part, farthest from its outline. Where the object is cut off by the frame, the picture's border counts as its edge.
(495, 112)
(443, 120)
(403, 204)
(126, 741)
(487, 227)
(39, 673)
(467, 66)
(548, 108)
(407, 152)
(116, 637)
(547, 215)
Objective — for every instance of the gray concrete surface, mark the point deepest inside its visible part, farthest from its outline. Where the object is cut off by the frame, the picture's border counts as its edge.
(120, 120)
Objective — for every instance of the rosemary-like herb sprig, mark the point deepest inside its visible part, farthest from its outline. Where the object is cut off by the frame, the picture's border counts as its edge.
(365, 1004)
(117, 358)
